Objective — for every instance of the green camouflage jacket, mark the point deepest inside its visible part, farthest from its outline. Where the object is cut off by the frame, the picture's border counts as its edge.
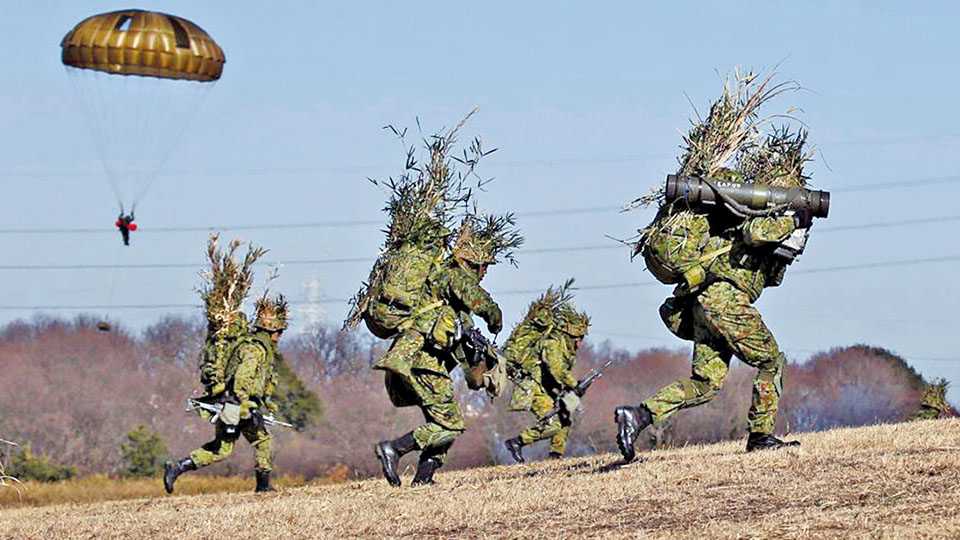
(750, 265)
(255, 378)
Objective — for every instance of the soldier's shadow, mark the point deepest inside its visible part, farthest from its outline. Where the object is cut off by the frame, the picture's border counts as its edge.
(615, 466)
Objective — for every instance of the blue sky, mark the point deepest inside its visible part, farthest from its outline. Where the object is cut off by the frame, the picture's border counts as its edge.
(585, 105)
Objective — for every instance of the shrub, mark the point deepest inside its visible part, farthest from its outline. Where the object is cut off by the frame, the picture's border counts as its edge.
(26, 465)
(298, 404)
(143, 452)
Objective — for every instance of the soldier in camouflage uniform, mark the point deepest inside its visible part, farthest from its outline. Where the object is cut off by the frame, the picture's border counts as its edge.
(419, 362)
(541, 352)
(251, 382)
(720, 319)
(934, 404)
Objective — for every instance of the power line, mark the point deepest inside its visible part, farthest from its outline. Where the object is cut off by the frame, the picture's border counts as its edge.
(369, 222)
(354, 260)
(511, 292)
(302, 225)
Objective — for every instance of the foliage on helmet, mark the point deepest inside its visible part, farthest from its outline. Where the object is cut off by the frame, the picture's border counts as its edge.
(554, 309)
(486, 239)
(426, 200)
(779, 160)
(272, 313)
(430, 193)
(226, 284)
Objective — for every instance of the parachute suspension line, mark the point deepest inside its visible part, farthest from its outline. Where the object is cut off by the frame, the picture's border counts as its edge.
(196, 93)
(96, 115)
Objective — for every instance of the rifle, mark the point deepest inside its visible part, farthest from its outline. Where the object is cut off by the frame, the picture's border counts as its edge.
(482, 358)
(579, 390)
(479, 349)
(216, 409)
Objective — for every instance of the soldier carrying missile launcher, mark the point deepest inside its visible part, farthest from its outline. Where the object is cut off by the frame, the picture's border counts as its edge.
(729, 223)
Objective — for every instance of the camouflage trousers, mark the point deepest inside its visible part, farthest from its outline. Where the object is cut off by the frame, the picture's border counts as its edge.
(225, 440)
(557, 429)
(419, 378)
(722, 323)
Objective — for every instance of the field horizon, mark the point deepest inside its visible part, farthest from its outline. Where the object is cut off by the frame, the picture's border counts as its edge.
(882, 481)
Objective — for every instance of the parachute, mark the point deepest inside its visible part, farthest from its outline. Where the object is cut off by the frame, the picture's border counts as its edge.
(139, 76)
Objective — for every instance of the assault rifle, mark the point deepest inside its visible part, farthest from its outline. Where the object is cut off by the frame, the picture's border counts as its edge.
(479, 349)
(216, 409)
(579, 390)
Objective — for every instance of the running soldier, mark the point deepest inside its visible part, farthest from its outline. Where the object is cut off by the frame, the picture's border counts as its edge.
(250, 383)
(722, 257)
(541, 354)
(419, 363)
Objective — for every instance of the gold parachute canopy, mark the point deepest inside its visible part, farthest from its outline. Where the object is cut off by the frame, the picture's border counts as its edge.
(147, 43)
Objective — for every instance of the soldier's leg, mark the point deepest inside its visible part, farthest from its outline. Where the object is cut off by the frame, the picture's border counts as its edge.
(711, 364)
(219, 448)
(399, 384)
(216, 450)
(709, 370)
(728, 312)
(541, 404)
(558, 442)
(262, 441)
(444, 421)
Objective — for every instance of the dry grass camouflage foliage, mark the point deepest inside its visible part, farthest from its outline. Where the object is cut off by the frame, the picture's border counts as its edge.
(884, 481)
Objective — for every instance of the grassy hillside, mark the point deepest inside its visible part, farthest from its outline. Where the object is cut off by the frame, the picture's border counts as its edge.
(888, 481)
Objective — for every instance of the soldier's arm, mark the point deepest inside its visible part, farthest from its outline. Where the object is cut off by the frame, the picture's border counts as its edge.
(764, 230)
(471, 295)
(553, 354)
(247, 381)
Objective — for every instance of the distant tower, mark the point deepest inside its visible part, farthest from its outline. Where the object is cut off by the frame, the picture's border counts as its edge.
(311, 311)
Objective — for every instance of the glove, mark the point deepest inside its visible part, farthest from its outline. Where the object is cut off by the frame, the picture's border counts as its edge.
(803, 218)
(570, 401)
(246, 408)
(495, 325)
(272, 406)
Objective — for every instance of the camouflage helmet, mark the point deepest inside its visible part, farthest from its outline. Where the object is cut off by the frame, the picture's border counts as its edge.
(572, 322)
(272, 313)
(554, 309)
(483, 240)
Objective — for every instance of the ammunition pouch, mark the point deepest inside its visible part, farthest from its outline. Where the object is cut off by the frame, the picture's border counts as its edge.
(231, 414)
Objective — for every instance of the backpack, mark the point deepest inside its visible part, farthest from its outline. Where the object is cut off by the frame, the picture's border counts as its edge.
(215, 360)
(397, 289)
(674, 248)
(520, 349)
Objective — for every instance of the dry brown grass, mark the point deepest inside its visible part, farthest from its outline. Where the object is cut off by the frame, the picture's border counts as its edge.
(100, 488)
(888, 481)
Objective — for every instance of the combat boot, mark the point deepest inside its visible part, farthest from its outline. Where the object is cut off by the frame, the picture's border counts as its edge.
(763, 441)
(172, 469)
(555, 455)
(515, 447)
(630, 422)
(263, 481)
(389, 454)
(425, 470)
